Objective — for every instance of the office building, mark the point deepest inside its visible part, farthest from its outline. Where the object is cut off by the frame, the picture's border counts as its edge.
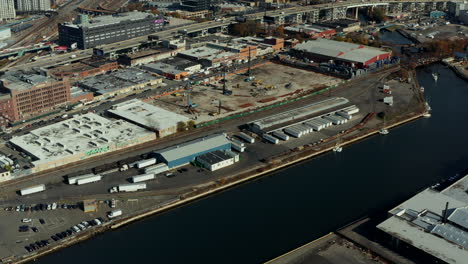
(196, 5)
(32, 5)
(100, 30)
(7, 10)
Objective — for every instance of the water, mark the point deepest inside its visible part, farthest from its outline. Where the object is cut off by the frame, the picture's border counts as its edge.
(393, 37)
(265, 218)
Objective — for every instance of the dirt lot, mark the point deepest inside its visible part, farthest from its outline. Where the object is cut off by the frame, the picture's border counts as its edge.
(445, 32)
(272, 83)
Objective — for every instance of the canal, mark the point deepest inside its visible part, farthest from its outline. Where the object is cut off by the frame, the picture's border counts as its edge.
(262, 219)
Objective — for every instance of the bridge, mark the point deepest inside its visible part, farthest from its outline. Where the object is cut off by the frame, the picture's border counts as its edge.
(299, 14)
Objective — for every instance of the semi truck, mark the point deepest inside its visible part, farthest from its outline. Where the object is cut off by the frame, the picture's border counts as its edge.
(156, 169)
(32, 189)
(237, 147)
(270, 139)
(114, 213)
(143, 177)
(145, 163)
(90, 179)
(128, 187)
(73, 180)
(247, 138)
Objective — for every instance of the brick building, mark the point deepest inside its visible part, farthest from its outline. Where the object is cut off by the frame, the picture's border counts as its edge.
(88, 67)
(24, 96)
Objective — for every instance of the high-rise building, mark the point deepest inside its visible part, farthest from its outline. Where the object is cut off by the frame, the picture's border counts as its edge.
(32, 5)
(196, 5)
(7, 9)
(88, 33)
(24, 95)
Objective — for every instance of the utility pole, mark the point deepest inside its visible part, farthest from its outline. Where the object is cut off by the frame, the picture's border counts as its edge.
(219, 107)
(249, 70)
(224, 80)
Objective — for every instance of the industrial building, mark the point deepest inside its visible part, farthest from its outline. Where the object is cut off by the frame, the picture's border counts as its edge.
(173, 68)
(120, 81)
(151, 117)
(184, 153)
(433, 222)
(24, 95)
(88, 33)
(264, 45)
(344, 25)
(147, 56)
(196, 5)
(217, 159)
(259, 125)
(311, 31)
(354, 55)
(78, 138)
(7, 10)
(87, 67)
(28, 6)
(213, 54)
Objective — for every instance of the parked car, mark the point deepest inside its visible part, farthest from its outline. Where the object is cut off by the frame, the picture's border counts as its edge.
(26, 220)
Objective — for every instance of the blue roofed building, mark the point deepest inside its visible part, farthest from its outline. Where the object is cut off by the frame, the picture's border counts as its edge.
(184, 153)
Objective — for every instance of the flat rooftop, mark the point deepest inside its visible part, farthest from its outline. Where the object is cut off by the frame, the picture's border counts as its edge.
(101, 21)
(147, 115)
(23, 81)
(341, 50)
(193, 147)
(114, 81)
(214, 157)
(77, 135)
(208, 53)
(419, 221)
(300, 112)
(307, 28)
(146, 53)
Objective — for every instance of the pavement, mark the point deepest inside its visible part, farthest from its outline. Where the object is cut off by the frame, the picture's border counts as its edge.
(329, 249)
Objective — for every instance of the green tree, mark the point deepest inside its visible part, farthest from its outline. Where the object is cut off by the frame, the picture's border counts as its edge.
(190, 124)
(378, 15)
(181, 126)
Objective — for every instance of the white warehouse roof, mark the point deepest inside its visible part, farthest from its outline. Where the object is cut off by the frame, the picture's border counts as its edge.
(147, 115)
(85, 135)
(340, 50)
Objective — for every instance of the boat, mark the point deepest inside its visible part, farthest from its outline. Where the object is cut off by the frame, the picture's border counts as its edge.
(383, 131)
(435, 76)
(422, 88)
(337, 148)
(427, 115)
(428, 107)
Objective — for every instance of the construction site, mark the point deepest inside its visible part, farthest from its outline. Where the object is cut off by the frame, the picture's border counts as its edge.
(267, 84)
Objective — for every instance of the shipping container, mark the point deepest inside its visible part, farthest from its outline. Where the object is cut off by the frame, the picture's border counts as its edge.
(145, 163)
(342, 119)
(325, 123)
(334, 120)
(73, 180)
(90, 179)
(32, 189)
(270, 139)
(247, 138)
(143, 177)
(156, 169)
(281, 135)
(115, 213)
(293, 132)
(237, 148)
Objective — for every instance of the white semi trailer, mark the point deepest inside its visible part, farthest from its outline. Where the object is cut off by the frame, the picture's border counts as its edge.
(128, 187)
(32, 189)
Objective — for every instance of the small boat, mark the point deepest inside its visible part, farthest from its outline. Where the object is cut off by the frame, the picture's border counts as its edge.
(427, 115)
(435, 76)
(383, 131)
(337, 148)
(428, 107)
(422, 88)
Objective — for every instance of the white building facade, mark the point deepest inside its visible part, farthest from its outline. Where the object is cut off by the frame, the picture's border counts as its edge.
(7, 10)
(32, 5)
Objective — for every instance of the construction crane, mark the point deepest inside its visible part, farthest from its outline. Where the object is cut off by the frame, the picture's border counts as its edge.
(225, 91)
(188, 88)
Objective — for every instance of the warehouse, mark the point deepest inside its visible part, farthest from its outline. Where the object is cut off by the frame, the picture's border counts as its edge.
(173, 68)
(312, 31)
(151, 117)
(118, 82)
(217, 159)
(259, 125)
(78, 138)
(434, 222)
(356, 55)
(184, 153)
